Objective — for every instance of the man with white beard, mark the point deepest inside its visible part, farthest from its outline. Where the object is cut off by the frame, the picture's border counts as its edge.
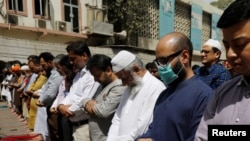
(135, 110)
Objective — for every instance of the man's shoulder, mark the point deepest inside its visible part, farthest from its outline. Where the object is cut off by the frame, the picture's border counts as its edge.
(218, 67)
(201, 70)
(83, 76)
(234, 82)
(115, 86)
(55, 75)
(153, 81)
(198, 85)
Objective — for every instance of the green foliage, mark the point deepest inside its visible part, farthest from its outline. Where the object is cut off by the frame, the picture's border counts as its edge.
(221, 4)
(125, 14)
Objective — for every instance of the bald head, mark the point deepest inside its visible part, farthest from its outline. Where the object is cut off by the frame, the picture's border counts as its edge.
(172, 43)
(177, 41)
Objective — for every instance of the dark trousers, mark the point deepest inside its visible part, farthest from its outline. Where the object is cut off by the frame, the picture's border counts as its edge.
(53, 125)
(65, 128)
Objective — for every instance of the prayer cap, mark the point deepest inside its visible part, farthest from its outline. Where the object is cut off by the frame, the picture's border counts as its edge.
(25, 67)
(122, 60)
(213, 43)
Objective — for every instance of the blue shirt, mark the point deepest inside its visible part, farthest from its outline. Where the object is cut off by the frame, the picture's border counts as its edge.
(214, 76)
(178, 111)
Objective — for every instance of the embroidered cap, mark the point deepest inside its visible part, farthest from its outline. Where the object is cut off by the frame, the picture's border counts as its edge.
(213, 43)
(122, 60)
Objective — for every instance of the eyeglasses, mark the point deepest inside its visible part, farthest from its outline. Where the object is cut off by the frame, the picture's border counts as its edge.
(162, 61)
(205, 51)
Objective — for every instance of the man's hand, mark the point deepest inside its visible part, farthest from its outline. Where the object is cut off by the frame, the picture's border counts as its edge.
(30, 93)
(24, 93)
(36, 95)
(9, 86)
(64, 110)
(19, 90)
(39, 103)
(89, 107)
(53, 110)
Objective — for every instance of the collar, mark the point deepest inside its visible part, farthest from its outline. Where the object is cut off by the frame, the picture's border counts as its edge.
(83, 71)
(53, 70)
(184, 82)
(214, 66)
(206, 71)
(243, 81)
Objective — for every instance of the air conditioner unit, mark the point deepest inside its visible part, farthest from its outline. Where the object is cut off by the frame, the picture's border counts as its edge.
(12, 19)
(102, 28)
(40, 23)
(63, 26)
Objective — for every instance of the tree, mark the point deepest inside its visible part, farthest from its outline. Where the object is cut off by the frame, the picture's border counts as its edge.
(126, 15)
(221, 4)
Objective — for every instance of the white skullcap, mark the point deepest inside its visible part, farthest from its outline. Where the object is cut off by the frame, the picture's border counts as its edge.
(122, 60)
(25, 67)
(213, 43)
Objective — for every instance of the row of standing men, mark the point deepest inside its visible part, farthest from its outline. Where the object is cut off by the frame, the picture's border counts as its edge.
(119, 100)
(114, 99)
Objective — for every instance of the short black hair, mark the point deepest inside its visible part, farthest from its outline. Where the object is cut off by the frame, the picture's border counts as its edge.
(35, 60)
(237, 11)
(150, 65)
(79, 47)
(31, 56)
(99, 61)
(215, 49)
(66, 62)
(195, 66)
(16, 62)
(58, 58)
(47, 56)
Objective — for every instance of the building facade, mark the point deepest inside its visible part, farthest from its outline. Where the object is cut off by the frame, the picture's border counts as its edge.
(33, 26)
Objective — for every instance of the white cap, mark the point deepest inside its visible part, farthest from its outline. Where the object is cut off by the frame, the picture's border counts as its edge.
(213, 43)
(122, 60)
(25, 67)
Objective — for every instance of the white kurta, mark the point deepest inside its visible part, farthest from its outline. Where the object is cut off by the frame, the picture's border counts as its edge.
(5, 89)
(84, 86)
(135, 111)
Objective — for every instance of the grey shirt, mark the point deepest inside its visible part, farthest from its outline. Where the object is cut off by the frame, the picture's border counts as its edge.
(50, 88)
(107, 100)
(230, 105)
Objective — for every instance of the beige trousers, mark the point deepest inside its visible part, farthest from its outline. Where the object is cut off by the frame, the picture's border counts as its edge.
(81, 133)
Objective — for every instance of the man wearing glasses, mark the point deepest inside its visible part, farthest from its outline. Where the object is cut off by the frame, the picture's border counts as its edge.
(213, 73)
(180, 106)
(230, 106)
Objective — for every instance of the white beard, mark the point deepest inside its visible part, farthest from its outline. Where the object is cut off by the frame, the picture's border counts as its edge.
(138, 85)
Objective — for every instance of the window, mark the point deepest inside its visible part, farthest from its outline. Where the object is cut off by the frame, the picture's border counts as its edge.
(42, 8)
(16, 5)
(71, 13)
